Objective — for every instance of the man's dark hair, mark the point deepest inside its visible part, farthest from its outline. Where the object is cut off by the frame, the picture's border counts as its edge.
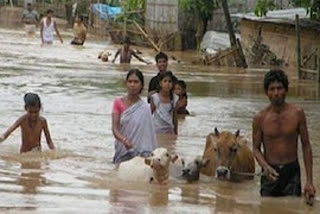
(275, 75)
(29, 4)
(126, 40)
(49, 11)
(80, 17)
(161, 55)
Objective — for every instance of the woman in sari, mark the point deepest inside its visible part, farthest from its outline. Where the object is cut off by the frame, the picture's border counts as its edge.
(132, 124)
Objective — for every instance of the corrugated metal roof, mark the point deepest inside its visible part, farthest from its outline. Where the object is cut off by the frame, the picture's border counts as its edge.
(283, 17)
(288, 14)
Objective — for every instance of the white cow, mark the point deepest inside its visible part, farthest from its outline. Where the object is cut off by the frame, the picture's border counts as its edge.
(153, 169)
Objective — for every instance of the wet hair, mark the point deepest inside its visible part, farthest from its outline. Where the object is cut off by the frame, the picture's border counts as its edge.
(126, 40)
(49, 11)
(173, 79)
(161, 55)
(29, 4)
(31, 99)
(80, 17)
(183, 85)
(275, 75)
(138, 73)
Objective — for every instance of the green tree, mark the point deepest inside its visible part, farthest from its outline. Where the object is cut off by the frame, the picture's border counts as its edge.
(312, 6)
(263, 6)
(202, 11)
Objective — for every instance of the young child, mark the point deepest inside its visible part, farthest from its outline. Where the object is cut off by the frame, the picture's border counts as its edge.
(180, 89)
(163, 105)
(126, 53)
(32, 125)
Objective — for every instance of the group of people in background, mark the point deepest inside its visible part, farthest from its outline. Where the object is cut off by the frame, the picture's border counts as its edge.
(48, 26)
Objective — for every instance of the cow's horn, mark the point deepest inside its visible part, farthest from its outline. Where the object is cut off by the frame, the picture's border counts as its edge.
(216, 131)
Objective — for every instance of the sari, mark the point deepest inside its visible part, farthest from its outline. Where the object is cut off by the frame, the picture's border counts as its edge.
(136, 124)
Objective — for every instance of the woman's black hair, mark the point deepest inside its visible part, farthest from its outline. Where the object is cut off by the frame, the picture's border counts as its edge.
(138, 73)
(173, 79)
(275, 75)
(31, 99)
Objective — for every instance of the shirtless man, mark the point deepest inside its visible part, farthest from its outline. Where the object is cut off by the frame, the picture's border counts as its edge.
(79, 31)
(126, 53)
(278, 127)
(32, 125)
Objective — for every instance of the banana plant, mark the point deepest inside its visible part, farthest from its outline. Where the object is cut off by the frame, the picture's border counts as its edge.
(203, 11)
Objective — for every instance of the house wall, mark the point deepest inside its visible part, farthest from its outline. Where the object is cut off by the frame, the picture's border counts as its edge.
(281, 38)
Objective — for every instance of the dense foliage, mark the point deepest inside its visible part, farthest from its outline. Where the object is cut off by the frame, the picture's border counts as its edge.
(263, 6)
(202, 11)
(312, 6)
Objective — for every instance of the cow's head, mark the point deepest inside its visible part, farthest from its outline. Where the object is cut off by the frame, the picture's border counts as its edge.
(104, 56)
(192, 170)
(160, 157)
(225, 148)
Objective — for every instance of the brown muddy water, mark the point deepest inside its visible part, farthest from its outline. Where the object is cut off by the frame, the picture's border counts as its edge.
(77, 91)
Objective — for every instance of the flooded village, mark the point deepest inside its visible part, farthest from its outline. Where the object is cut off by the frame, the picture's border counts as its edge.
(93, 67)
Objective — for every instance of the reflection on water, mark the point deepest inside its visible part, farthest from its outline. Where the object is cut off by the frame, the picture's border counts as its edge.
(77, 91)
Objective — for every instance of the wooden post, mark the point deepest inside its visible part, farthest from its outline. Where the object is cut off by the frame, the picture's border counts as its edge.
(318, 69)
(298, 47)
(147, 36)
(241, 61)
(232, 37)
(242, 57)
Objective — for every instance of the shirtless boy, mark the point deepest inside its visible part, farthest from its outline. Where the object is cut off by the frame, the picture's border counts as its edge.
(277, 128)
(126, 53)
(32, 125)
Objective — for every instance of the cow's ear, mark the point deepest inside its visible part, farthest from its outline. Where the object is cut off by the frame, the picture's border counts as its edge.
(216, 132)
(237, 134)
(147, 161)
(174, 158)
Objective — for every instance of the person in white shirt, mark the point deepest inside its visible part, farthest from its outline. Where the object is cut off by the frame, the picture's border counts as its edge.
(48, 25)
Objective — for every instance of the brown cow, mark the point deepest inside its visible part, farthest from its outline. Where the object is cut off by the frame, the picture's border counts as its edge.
(229, 156)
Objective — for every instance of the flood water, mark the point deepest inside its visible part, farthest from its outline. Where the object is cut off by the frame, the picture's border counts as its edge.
(77, 91)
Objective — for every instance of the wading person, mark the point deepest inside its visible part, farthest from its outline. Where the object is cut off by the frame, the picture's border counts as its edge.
(277, 128)
(164, 106)
(162, 65)
(32, 125)
(132, 124)
(79, 32)
(180, 89)
(126, 53)
(30, 19)
(47, 26)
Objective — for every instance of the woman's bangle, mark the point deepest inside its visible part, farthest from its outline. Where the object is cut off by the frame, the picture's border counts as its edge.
(124, 140)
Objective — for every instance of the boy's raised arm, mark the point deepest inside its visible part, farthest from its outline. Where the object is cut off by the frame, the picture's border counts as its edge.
(47, 135)
(11, 129)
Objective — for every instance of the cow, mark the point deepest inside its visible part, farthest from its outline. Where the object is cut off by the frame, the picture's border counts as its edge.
(176, 166)
(191, 171)
(153, 169)
(104, 56)
(229, 156)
